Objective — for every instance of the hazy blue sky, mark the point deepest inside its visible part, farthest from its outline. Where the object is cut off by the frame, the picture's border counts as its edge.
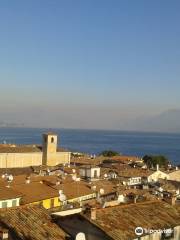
(88, 64)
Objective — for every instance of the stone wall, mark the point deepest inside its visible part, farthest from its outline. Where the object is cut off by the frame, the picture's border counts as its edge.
(18, 160)
(54, 159)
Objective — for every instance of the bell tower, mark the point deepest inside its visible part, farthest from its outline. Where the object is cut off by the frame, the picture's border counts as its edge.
(49, 148)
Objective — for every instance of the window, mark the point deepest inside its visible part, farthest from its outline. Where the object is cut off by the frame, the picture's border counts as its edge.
(52, 140)
(14, 203)
(4, 204)
(52, 203)
(95, 174)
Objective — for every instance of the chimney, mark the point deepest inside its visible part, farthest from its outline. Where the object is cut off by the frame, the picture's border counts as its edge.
(4, 234)
(93, 213)
(157, 167)
(28, 180)
(173, 200)
(57, 182)
(135, 199)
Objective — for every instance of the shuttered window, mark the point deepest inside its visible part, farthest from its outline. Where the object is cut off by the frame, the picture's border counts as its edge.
(14, 203)
(4, 204)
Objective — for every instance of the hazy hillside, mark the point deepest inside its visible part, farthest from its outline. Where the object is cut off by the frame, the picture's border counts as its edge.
(10, 124)
(168, 121)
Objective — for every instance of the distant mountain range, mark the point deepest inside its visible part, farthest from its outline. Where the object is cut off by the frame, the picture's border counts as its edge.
(168, 121)
(10, 124)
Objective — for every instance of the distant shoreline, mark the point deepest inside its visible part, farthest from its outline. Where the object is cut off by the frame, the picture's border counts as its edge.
(91, 129)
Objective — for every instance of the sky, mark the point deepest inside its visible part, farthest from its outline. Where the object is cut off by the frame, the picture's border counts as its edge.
(88, 64)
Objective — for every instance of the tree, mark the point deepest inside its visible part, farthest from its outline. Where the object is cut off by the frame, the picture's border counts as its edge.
(152, 161)
(109, 153)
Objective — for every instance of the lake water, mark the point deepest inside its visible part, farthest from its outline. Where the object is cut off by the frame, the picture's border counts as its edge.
(95, 141)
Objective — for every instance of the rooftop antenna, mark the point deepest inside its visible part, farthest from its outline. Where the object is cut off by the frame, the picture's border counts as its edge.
(105, 175)
(77, 185)
(62, 197)
(9, 179)
(48, 171)
(74, 178)
(93, 188)
(101, 191)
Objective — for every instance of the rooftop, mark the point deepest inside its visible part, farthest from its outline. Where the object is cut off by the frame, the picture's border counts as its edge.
(126, 158)
(87, 160)
(35, 191)
(70, 170)
(8, 193)
(169, 185)
(12, 148)
(75, 189)
(89, 166)
(44, 187)
(20, 220)
(21, 179)
(106, 185)
(134, 172)
(50, 133)
(120, 222)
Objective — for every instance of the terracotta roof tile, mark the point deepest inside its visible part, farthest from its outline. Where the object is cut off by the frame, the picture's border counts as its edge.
(10, 148)
(106, 185)
(120, 222)
(75, 189)
(31, 222)
(126, 158)
(35, 191)
(134, 172)
(8, 193)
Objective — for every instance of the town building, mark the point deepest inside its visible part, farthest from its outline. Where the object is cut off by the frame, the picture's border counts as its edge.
(175, 175)
(89, 172)
(119, 222)
(9, 198)
(38, 193)
(45, 191)
(158, 174)
(133, 176)
(136, 176)
(76, 191)
(29, 222)
(20, 156)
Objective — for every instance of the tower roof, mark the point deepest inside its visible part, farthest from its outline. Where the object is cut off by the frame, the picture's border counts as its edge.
(50, 133)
